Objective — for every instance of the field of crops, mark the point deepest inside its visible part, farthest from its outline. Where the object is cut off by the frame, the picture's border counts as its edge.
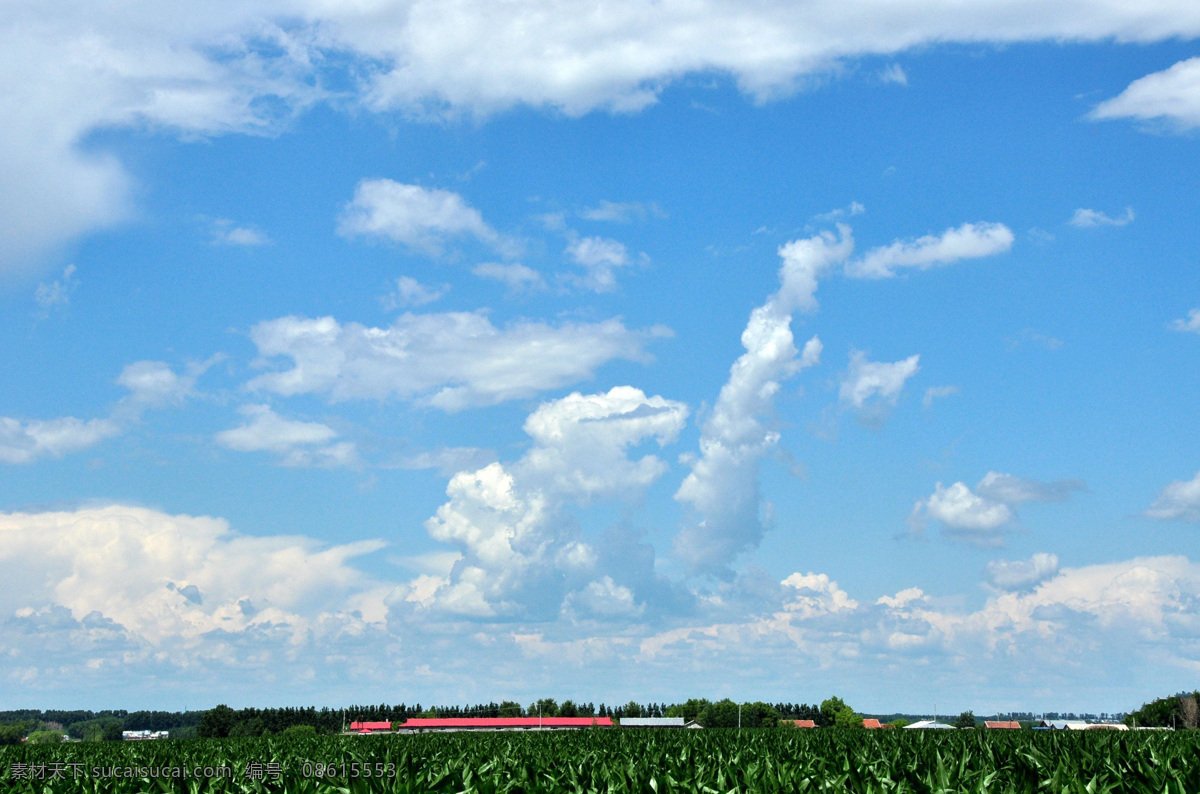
(622, 761)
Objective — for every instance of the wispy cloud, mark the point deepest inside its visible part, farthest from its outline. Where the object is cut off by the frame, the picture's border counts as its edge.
(1090, 219)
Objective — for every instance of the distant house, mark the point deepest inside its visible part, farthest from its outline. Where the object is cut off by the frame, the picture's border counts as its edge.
(922, 725)
(1107, 726)
(652, 722)
(1064, 725)
(1002, 725)
(871, 722)
(423, 724)
(370, 727)
(134, 736)
(801, 723)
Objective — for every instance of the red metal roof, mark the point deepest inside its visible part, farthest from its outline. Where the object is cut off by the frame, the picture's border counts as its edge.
(871, 722)
(1011, 725)
(370, 726)
(508, 722)
(803, 723)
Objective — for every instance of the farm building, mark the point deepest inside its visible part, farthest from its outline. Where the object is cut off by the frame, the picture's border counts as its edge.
(929, 725)
(652, 722)
(423, 724)
(801, 723)
(370, 727)
(871, 722)
(1003, 725)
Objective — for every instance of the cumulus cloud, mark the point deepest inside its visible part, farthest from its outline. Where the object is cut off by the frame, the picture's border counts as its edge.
(27, 441)
(722, 492)
(981, 514)
(969, 241)
(1021, 574)
(515, 276)
(409, 293)
(1171, 96)
(297, 443)
(1090, 219)
(154, 383)
(519, 556)
(1179, 500)
(600, 257)
(423, 219)
(448, 361)
(1189, 324)
(873, 387)
(177, 589)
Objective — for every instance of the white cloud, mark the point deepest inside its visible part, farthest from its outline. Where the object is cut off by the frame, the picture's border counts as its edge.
(421, 218)
(1178, 500)
(969, 241)
(872, 387)
(1021, 574)
(893, 73)
(600, 257)
(154, 383)
(449, 361)
(620, 212)
(519, 555)
(1171, 96)
(297, 443)
(180, 589)
(981, 514)
(1192, 323)
(815, 594)
(248, 67)
(226, 232)
(582, 441)
(722, 489)
(937, 393)
(25, 442)
(449, 460)
(517, 277)
(1090, 219)
(52, 294)
(854, 208)
(410, 292)
(958, 508)
(1017, 490)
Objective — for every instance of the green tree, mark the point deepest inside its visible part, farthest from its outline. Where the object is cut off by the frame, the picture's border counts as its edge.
(847, 718)
(722, 714)
(299, 730)
(510, 708)
(759, 715)
(965, 720)
(12, 733)
(632, 709)
(217, 723)
(112, 732)
(690, 710)
(568, 709)
(546, 707)
(45, 737)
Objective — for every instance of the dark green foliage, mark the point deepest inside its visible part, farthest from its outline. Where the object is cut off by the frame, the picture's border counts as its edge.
(619, 761)
(13, 732)
(722, 714)
(1166, 712)
(111, 732)
(965, 720)
(218, 723)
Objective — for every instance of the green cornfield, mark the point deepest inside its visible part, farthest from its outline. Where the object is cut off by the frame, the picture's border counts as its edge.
(623, 760)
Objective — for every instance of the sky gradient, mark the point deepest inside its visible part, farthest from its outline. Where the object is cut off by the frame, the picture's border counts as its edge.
(411, 351)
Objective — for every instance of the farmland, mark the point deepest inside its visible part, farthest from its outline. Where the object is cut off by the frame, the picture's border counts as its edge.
(622, 761)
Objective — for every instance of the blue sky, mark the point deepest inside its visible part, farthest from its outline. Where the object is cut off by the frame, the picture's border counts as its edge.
(374, 352)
